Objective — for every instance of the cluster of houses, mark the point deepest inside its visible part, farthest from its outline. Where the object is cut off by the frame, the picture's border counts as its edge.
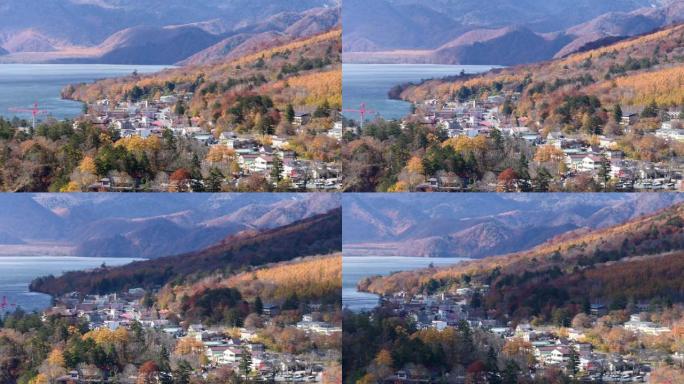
(481, 117)
(550, 347)
(221, 349)
(147, 118)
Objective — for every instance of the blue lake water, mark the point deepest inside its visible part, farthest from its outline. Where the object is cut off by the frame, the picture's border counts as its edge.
(22, 85)
(370, 83)
(17, 272)
(355, 269)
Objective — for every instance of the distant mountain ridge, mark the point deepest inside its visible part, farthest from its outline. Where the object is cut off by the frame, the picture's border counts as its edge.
(146, 226)
(148, 31)
(488, 32)
(479, 226)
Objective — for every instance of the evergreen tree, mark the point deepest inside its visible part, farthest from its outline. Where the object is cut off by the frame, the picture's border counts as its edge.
(258, 306)
(492, 365)
(510, 373)
(542, 180)
(573, 361)
(214, 181)
(245, 362)
(604, 172)
(290, 113)
(617, 113)
(182, 373)
(277, 169)
(651, 110)
(523, 172)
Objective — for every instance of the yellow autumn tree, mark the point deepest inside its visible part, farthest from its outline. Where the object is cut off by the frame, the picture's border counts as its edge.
(56, 358)
(40, 379)
(72, 186)
(415, 164)
(107, 336)
(189, 346)
(549, 154)
(87, 165)
(220, 154)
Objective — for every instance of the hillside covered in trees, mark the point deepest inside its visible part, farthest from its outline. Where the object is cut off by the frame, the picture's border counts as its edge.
(634, 262)
(305, 72)
(253, 95)
(316, 279)
(644, 71)
(528, 127)
(320, 234)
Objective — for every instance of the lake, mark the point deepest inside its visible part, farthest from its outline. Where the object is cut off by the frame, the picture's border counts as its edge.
(21, 85)
(370, 83)
(17, 272)
(355, 269)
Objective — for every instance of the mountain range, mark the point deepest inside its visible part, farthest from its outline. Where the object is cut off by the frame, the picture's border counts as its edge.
(315, 235)
(146, 225)
(494, 32)
(152, 31)
(637, 261)
(479, 225)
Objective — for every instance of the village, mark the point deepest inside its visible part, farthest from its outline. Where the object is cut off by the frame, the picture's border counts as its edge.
(249, 154)
(541, 346)
(208, 348)
(598, 156)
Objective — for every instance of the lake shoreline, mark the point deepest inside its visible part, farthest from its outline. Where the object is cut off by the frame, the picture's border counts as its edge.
(358, 268)
(22, 85)
(20, 271)
(372, 84)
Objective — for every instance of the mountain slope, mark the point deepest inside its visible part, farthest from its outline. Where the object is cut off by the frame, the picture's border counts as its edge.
(576, 267)
(633, 73)
(488, 32)
(480, 226)
(320, 234)
(146, 226)
(277, 30)
(144, 31)
(153, 45)
(304, 72)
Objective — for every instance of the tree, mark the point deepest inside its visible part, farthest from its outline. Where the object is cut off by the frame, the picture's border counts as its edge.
(277, 169)
(245, 362)
(182, 373)
(604, 172)
(541, 181)
(651, 110)
(573, 361)
(507, 107)
(507, 181)
(258, 305)
(492, 365)
(617, 113)
(290, 113)
(164, 361)
(214, 181)
(148, 373)
(510, 373)
(522, 170)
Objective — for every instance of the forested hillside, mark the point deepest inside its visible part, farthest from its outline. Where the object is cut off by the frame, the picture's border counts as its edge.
(304, 72)
(628, 263)
(308, 280)
(320, 234)
(582, 92)
(255, 94)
